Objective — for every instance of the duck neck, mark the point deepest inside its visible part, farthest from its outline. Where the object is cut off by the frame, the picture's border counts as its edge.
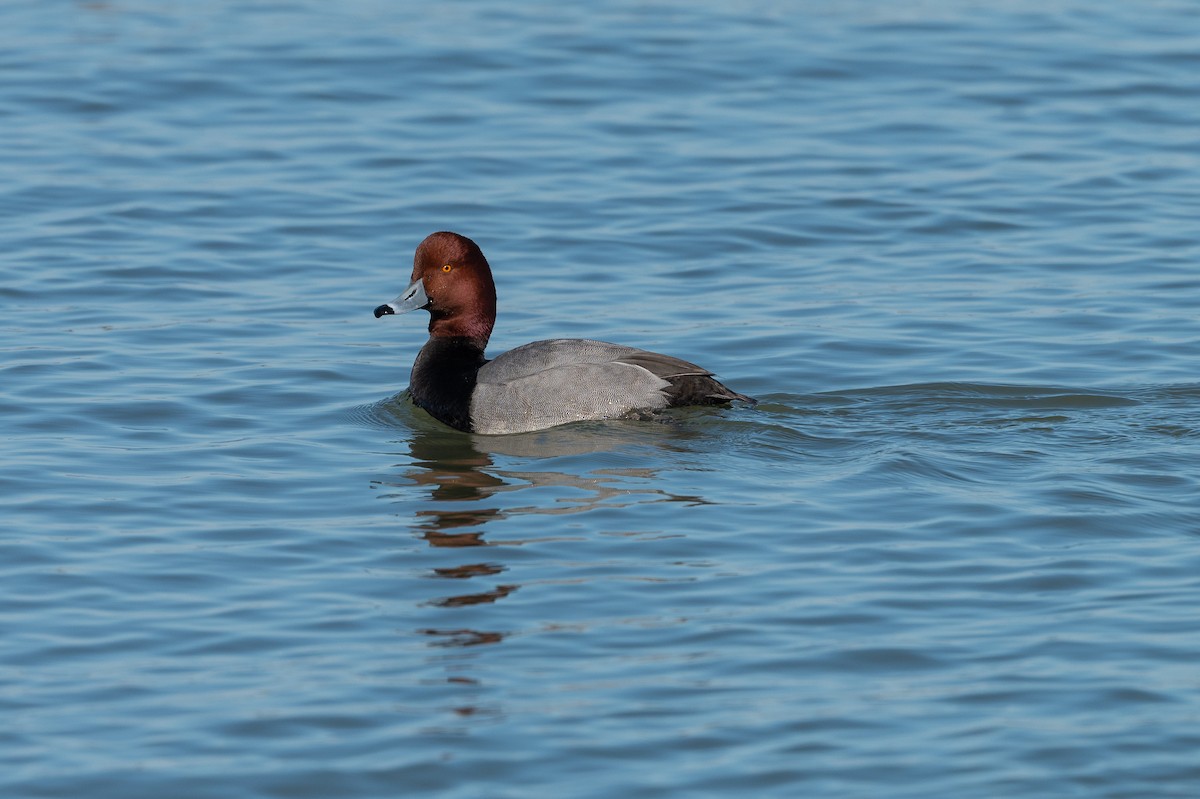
(476, 328)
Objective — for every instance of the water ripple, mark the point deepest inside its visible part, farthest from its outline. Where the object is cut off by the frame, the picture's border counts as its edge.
(951, 248)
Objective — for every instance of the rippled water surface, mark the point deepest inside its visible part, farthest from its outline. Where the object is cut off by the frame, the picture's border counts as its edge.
(952, 247)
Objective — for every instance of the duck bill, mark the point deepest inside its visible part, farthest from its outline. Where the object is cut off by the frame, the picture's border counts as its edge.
(412, 299)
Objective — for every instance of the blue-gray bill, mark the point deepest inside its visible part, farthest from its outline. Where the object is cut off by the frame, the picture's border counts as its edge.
(412, 299)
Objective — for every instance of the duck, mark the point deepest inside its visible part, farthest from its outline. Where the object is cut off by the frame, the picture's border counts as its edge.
(538, 385)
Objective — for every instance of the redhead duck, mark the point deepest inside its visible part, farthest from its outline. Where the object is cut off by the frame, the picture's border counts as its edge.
(537, 385)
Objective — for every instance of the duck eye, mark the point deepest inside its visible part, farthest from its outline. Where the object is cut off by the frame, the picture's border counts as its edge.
(447, 267)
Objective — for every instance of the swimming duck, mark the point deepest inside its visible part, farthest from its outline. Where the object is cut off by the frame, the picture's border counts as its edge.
(537, 385)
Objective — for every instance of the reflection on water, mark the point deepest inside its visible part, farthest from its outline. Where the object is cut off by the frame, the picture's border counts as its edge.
(462, 638)
(464, 488)
(460, 468)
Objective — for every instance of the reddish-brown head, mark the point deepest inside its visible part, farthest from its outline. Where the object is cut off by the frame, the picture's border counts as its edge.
(453, 278)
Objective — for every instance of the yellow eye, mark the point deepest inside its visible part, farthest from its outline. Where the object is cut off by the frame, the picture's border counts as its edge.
(447, 268)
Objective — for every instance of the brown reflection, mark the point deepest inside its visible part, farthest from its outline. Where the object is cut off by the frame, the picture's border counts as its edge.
(447, 519)
(437, 539)
(455, 472)
(462, 491)
(469, 570)
(459, 473)
(462, 637)
(459, 481)
(464, 600)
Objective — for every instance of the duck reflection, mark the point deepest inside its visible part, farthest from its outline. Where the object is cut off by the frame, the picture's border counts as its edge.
(459, 484)
(456, 489)
(461, 474)
(462, 638)
(466, 488)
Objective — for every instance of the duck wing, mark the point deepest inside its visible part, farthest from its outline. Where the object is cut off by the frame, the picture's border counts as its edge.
(552, 382)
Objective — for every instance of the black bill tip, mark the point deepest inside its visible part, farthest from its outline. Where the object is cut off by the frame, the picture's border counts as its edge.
(383, 310)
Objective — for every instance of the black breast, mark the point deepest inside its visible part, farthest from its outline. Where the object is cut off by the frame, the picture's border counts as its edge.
(443, 379)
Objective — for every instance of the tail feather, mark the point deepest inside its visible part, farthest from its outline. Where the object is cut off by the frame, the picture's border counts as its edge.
(701, 389)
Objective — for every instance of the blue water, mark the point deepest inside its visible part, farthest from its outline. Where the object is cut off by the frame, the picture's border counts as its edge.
(951, 246)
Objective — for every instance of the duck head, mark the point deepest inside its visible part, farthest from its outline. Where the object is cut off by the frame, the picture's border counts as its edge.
(453, 281)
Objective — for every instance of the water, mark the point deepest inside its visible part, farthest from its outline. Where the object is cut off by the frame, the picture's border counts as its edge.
(952, 247)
